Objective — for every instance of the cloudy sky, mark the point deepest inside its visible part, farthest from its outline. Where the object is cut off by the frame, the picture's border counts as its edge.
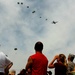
(21, 28)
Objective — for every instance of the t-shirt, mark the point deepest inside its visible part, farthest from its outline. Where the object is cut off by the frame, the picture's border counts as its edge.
(70, 66)
(60, 69)
(71, 73)
(40, 63)
(4, 61)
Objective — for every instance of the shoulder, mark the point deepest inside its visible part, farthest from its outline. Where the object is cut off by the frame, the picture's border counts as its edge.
(33, 55)
(56, 64)
(59, 64)
(45, 57)
(2, 54)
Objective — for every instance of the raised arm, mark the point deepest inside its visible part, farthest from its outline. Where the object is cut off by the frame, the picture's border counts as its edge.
(51, 65)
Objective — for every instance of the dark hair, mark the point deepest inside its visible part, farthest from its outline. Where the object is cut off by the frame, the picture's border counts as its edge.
(71, 57)
(38, 46)
(62, 58)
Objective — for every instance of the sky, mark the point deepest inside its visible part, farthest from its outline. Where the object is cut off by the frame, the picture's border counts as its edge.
(21, 28)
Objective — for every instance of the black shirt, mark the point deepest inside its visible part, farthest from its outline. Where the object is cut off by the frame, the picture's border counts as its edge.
(60, 69)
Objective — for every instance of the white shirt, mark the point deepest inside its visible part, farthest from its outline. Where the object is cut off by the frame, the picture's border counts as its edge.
(4, 61)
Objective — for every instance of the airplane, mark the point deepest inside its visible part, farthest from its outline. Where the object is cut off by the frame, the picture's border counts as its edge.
(46, 19)
(18, 3)
(15, 49)
(27, 6)
(40, 17)
(21, 2)
(54, 22)
(33, 11)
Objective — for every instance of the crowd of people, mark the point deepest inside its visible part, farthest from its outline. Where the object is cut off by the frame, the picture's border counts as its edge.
(37, 64)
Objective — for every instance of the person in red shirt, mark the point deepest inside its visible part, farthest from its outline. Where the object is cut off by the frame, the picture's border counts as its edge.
(37, 62)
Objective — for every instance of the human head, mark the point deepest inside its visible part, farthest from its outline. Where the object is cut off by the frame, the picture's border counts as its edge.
(38, 46)
(62, 58)
(71, 57)
(12, 72)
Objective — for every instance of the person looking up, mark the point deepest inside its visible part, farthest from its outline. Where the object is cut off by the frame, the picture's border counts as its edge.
(70, 64)
(37, 62)
(59, 65)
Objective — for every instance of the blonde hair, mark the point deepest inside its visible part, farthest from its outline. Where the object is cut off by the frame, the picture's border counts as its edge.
(12, 72)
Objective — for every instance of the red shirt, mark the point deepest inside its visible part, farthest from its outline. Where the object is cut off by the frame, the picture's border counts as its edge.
(39, 66)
